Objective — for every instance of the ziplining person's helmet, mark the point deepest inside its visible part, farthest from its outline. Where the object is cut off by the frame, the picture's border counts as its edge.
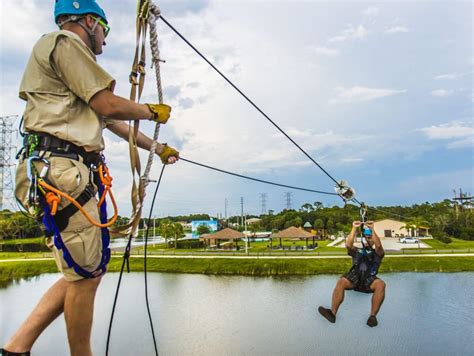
(78, 7)
(366, 232)
(76, 10)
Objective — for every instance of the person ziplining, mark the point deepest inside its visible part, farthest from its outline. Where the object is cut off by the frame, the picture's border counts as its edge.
(362, 277)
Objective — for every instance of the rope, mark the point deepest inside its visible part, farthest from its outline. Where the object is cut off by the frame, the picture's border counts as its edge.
(256, 179)
(248, 99)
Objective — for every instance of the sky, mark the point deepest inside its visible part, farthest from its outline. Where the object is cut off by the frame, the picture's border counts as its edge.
(379, 93)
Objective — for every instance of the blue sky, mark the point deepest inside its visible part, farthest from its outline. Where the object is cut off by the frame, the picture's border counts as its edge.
(380, 93)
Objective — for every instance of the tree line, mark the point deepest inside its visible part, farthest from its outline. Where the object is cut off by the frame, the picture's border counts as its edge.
(444, 220)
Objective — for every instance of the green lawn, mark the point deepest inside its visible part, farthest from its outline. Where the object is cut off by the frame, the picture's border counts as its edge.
(455, 244)
(28, 240)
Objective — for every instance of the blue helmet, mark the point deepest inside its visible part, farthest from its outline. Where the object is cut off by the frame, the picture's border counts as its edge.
(366, 232)
(78, 7)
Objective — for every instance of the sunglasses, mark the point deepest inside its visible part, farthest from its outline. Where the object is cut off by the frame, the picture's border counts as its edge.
(103, 24)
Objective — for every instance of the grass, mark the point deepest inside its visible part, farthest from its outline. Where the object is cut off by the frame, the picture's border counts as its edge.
(29, 240)
(455, 244)
(10, 271)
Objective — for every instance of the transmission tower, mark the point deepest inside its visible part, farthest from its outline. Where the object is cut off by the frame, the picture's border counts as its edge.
(263, 201)
(6, 147)
(288, 200)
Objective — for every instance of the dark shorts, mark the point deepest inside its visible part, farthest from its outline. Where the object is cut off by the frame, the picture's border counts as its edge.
(359, 283)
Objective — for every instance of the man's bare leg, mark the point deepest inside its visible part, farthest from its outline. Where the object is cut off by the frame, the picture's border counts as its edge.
(337, 299)
(48, 309)
(78, 312)
(378, 287)
(338, 294)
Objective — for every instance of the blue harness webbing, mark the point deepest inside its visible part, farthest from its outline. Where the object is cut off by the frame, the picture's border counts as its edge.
(52, 228)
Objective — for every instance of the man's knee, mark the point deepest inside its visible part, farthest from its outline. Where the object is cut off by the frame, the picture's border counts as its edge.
(378, 286)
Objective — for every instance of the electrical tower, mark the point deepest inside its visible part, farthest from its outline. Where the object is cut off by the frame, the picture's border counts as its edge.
(7, 200)
(288, 200)
(263, 201)
(226, 203)
(462, 201)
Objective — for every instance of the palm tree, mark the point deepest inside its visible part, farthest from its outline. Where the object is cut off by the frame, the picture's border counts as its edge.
(408, 227)
(177, 231)
(164, 229)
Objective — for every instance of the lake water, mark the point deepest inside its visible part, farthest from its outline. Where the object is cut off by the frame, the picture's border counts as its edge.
(423, 314)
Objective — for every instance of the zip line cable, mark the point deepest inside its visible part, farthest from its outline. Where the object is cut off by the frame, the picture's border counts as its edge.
(247, 98)
(126, 261)
(256, 179)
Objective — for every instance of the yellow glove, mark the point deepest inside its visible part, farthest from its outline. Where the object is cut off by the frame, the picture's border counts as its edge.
(161, 112)
(168, 152)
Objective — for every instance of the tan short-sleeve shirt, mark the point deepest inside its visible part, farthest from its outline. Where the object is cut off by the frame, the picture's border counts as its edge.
(61, 77)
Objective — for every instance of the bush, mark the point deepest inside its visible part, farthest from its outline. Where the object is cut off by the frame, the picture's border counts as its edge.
(190, 244)
(444, 238)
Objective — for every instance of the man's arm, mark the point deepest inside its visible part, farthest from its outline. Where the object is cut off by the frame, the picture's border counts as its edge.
(350, 239)
(107, 104)
(377, 243)
(121, 129)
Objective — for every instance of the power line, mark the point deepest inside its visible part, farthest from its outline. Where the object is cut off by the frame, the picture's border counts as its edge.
(256, 179)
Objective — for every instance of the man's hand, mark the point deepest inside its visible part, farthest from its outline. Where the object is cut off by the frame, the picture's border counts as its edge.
(356, 224)
(168, 155)
(159, 112)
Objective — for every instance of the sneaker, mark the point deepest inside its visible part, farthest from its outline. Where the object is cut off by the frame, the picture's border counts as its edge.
(328, 314)
(372, 321)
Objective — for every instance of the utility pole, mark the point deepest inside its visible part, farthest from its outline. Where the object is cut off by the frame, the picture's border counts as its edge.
(288, 200)
(263, 200)
(6, 181)
(242, 210)
(225, 208)
(461, 201)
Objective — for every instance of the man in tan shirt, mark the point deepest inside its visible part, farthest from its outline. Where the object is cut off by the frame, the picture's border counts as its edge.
(69, 101)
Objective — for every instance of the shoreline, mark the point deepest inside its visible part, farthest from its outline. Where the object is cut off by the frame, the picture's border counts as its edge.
(12, 270)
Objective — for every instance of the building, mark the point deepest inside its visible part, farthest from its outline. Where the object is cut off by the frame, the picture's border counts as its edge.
(252, 221)
(395, 228)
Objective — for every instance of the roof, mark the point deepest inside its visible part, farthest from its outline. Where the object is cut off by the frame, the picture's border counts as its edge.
(307, 224)
(225, 234)
(293, 232)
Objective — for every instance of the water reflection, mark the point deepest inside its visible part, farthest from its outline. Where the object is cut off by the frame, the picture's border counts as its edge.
(424, 314)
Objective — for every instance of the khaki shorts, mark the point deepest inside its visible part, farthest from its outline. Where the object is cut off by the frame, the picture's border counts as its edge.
(82, 239)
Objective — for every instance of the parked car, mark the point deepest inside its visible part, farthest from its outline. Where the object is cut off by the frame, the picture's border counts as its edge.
(409, 240)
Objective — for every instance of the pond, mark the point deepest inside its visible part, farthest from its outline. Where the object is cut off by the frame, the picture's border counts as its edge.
(423, 314)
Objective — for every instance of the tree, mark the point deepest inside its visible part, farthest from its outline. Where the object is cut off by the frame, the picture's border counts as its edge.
(318, 205)
(307, 207)
(319, 226)
(203, 229)
(177, 231)
(165, 230)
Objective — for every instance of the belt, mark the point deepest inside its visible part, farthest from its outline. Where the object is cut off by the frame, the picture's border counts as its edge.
(59, 148)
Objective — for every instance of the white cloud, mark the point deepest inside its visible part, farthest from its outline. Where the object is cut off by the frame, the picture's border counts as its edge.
(451, 76)
(358, 93)
(352, 160)
(351, 33)
(441, 92)
(326, 51)
(371, 11)
(397, 29)
(462, 133)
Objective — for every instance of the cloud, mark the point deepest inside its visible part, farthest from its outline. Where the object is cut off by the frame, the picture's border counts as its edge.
(462, 133)
(397, 29)
(326, 51)
(351, 33)
(441, 92)
(358, 93)
(451, 76)
(371, 11)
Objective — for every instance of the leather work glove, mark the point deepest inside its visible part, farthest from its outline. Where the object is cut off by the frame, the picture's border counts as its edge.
(167, 152)
(160, 112)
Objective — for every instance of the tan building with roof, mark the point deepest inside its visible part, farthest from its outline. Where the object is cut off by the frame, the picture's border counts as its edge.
(394, 228)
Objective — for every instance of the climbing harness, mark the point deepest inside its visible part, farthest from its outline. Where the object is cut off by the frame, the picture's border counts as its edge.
(44, 198)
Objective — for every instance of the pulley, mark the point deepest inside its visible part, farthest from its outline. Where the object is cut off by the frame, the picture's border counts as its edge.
(344, 190)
